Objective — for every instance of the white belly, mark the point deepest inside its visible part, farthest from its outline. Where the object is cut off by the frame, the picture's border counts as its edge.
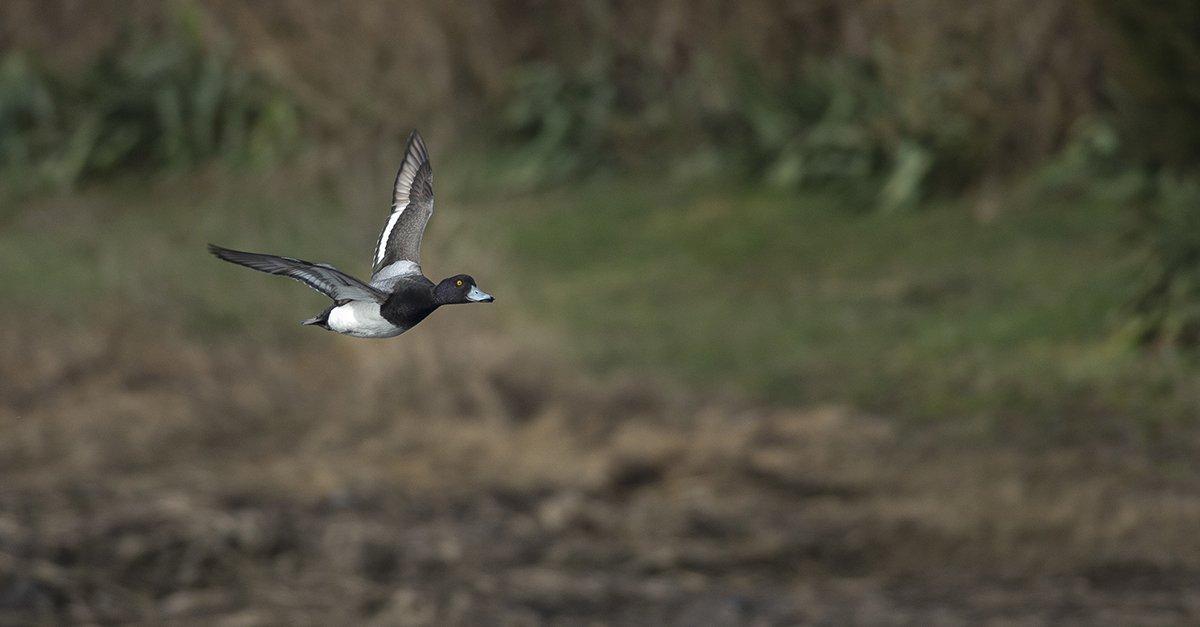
(361, 319)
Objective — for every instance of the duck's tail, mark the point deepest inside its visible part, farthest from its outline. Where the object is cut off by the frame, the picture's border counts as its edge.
(321, 319)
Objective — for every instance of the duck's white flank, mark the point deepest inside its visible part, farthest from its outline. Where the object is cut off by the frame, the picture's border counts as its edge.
(361, 319)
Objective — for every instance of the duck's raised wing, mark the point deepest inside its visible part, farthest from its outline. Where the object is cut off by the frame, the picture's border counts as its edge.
(399, 250)
(324, 278)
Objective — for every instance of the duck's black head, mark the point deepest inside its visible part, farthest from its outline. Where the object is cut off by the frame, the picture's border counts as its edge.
(460, 289)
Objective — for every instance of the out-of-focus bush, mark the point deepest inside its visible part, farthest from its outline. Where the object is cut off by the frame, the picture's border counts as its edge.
(824, 126)
(1166, 309)
(162, 101)
(561, 123)
(911, 97)
(1155, 109)
(1157, 70)
(898, 99)
(892, 100)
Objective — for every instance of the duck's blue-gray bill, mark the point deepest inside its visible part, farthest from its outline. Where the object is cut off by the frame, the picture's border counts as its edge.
(477, 295)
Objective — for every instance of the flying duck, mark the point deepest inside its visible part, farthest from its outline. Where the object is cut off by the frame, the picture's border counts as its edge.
(398, 295)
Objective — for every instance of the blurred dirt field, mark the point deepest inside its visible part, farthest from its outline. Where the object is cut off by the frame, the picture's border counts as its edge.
(808, 313)
(455, 478)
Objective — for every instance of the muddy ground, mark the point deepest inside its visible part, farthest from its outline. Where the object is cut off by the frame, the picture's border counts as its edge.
(167, 479)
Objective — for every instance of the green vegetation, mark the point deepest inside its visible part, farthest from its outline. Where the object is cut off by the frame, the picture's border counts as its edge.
(150, 102)
(1166, 309)
(1010, 325)
(813, 240)
(932, 315)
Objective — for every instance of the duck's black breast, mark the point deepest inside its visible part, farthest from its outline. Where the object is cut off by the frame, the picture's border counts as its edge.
(410, 302)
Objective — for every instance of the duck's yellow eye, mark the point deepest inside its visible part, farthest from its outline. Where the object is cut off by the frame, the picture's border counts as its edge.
(458, 283)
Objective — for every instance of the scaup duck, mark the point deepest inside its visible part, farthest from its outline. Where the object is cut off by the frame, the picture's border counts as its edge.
(398, 295)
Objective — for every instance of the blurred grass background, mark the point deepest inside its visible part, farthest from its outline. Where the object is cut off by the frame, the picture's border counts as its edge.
(977, 225)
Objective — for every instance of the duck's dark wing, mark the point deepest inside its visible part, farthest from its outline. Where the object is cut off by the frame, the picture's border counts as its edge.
(321, 277)
(412, 205)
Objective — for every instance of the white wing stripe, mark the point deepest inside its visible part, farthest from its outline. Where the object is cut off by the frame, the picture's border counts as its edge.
(387, 233)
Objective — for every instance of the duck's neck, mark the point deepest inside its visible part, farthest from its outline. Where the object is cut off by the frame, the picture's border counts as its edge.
(409, 306)
(436, 298)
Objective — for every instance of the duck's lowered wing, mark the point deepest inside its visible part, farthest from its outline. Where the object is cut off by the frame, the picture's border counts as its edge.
(321, 277)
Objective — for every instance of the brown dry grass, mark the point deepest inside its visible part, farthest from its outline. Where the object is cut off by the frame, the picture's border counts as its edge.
(459, 477)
